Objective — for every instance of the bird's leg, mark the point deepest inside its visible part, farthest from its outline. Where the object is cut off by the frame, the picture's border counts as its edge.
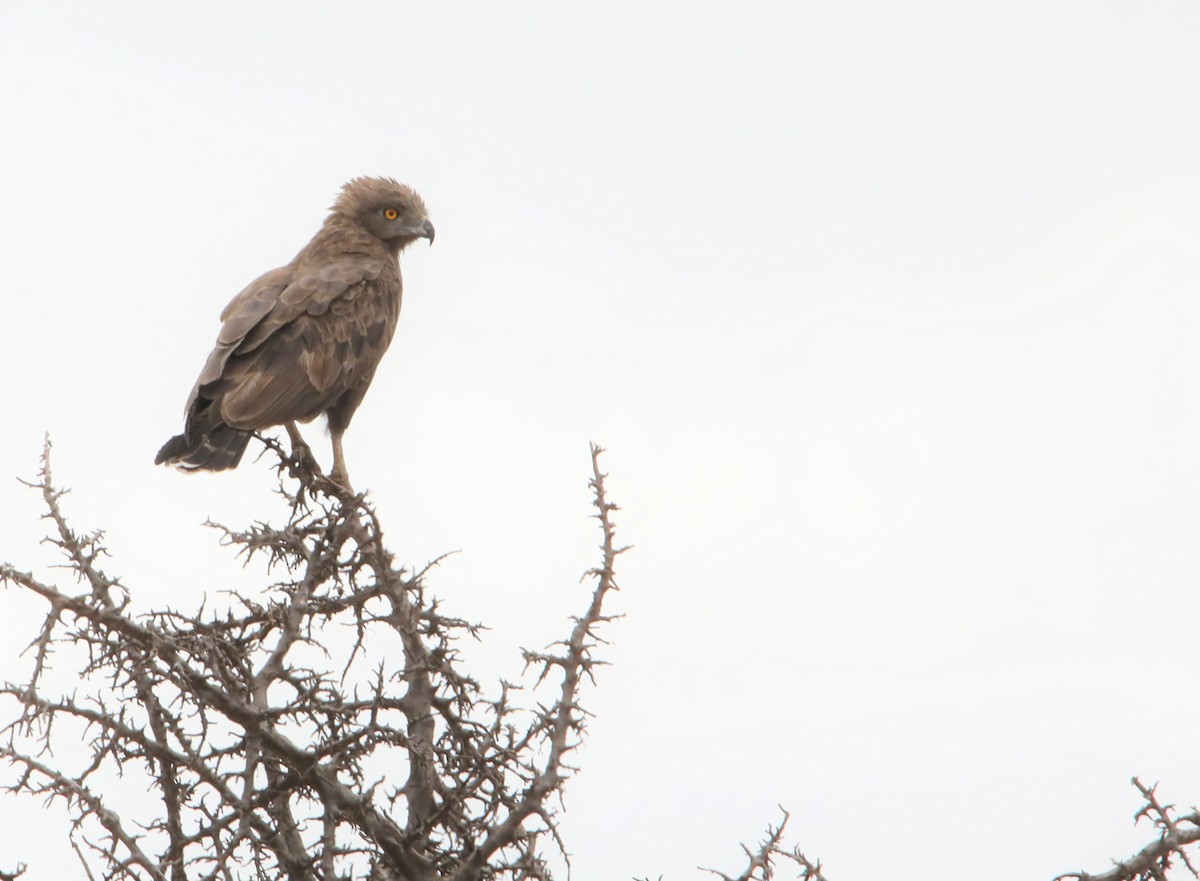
(351, 505)
(339, 475)
(299, 447)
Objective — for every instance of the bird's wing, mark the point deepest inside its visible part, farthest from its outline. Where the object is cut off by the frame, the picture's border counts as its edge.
(274, 300)
(273, 363)
(238, 318)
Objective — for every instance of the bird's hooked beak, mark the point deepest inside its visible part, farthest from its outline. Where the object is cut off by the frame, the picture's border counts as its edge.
(426, 231)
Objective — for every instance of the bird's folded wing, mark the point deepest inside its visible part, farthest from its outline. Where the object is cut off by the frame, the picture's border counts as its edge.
(274, 300)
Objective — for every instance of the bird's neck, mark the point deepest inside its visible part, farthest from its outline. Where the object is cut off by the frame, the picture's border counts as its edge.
(340, 236)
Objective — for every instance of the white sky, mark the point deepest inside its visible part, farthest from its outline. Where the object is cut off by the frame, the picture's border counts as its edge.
(886, 313)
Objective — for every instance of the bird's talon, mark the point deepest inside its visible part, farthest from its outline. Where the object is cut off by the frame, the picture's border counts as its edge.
(303, 463)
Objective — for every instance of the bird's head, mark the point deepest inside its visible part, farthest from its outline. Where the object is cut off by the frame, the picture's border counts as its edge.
(387, 209)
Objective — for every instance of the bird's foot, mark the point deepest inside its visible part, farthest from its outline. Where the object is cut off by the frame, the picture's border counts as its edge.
(303, 464)
(339, 476)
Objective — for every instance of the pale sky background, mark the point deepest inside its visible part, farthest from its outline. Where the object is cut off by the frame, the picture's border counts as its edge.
(886, 312)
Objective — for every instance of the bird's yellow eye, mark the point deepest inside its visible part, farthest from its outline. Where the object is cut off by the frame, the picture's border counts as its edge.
(391, 214)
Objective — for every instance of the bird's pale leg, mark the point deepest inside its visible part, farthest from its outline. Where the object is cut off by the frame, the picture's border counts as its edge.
(339, 475)
(294, 435)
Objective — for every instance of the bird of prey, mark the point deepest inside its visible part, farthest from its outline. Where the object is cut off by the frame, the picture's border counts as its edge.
(305, 339)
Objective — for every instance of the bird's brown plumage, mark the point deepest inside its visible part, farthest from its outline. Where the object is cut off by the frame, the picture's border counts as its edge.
(305, 339)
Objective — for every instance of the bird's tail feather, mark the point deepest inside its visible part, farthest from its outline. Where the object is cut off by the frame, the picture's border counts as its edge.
(218, 449)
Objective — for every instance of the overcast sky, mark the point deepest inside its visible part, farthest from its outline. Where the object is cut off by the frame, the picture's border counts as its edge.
(886, 313)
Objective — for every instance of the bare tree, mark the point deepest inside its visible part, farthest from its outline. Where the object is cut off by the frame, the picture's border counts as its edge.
(259, 740)
(325, 729)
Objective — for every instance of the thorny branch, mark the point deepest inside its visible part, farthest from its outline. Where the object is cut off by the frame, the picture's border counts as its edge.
(761, 861)
(1152, 862)
(275, 745)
